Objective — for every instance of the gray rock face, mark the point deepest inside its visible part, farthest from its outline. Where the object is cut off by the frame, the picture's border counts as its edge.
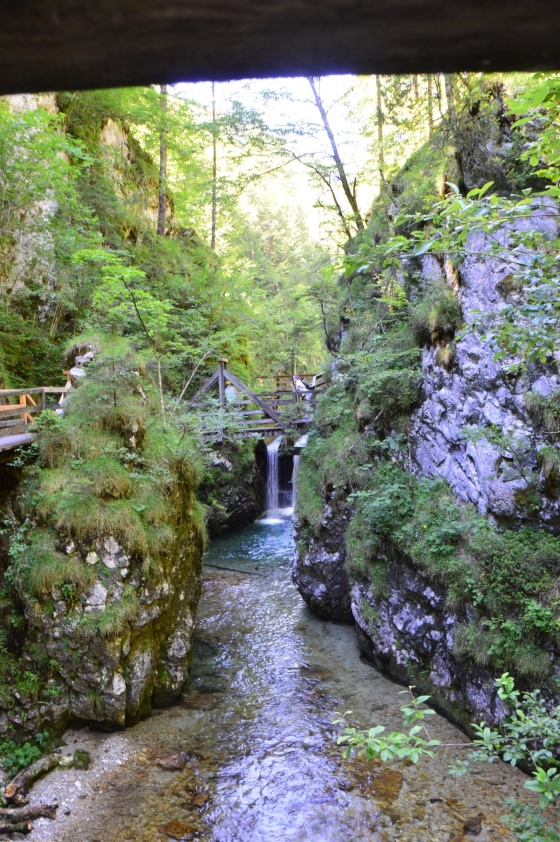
(318, 572)
(447, 431)
(409, 634)
(408, 630)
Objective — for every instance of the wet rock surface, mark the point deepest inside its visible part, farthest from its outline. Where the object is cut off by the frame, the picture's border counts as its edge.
(319, 571)
(234, 488)
(410, 634)
(263, 764)
(479, 393)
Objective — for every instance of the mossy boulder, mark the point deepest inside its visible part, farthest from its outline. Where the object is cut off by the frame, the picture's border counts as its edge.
(105, 555)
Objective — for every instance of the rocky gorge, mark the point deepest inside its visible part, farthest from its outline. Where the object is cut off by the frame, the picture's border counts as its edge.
(438, 533)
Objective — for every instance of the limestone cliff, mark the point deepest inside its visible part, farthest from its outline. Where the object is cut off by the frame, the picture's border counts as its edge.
(478, 392)
(428, 497)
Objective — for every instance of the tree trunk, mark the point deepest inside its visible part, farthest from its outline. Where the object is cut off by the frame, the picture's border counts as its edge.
(162, 187)
(430, 105)
(19, 785)
(214, 173)
(439, 95)
(13, 815)
(348, 192)
(160, 388)
(450, 101)
(380, 119)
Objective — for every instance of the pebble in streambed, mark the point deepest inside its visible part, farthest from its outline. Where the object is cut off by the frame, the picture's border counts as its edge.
(250, 755)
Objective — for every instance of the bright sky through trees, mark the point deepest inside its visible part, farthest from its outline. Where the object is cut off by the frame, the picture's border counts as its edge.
(287, 108)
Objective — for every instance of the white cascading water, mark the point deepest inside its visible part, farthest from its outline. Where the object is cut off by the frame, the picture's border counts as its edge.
(272, 473)
(301, 442)
(295, 470)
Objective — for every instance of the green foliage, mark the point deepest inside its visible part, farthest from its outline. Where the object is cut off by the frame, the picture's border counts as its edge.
(526, 328)
(113, 620)
(436, 317)
(107, 468)
(16, 756)
(546, 412)
(396, 745)
(549, 461)
(529, 734)
(36, 566)
(509, 576)
(538, 105)
(417, 517)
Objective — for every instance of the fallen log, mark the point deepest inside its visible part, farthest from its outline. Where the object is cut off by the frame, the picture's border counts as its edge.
(22, 814)
(19, 785)
(22, 827)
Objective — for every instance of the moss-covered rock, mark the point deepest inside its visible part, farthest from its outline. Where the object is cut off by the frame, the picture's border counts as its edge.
(233, 485)
(428, 493)
(105, 552)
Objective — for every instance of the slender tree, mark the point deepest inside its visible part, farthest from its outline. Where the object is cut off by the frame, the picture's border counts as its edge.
(214, 172)
(349, 192)
(162, 186)
(380, 119)
(430, 104)
(450, 96)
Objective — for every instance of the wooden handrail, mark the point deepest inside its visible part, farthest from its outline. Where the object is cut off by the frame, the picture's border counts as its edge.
(25, 409)
(15, 411)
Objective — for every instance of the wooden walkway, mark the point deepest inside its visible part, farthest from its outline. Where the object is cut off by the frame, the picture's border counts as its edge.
(247, 414)
(244, 413)
(21, 408)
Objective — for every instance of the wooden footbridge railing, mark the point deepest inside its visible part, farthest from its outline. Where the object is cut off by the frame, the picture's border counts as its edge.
(248, 414)
(251, 414)
(18, 410)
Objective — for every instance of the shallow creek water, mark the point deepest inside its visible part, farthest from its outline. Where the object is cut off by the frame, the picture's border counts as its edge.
(256, 724)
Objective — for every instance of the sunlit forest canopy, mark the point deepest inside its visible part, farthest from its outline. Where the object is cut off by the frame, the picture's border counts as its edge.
(202, 220)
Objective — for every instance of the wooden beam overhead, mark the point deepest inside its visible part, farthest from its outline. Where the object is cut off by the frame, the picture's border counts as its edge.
(69, 44)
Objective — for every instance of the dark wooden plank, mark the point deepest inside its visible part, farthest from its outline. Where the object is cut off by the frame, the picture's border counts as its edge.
(212, 380)
(68, 44)
(255, 398)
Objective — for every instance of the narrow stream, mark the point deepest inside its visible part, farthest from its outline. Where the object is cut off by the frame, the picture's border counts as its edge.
(255, 727)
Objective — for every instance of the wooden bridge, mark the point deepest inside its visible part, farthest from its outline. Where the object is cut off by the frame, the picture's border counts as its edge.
(20, 409)
(243, 413)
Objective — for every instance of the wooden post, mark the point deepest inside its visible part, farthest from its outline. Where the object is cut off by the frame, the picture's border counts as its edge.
(222, 362)
(43, 401)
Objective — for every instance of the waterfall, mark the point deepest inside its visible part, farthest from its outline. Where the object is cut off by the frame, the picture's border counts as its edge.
(301, 442)
(295, 470)
(272, 473)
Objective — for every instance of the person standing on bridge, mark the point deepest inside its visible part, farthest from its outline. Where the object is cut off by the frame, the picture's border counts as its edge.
(301, 388)
(230, 392)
